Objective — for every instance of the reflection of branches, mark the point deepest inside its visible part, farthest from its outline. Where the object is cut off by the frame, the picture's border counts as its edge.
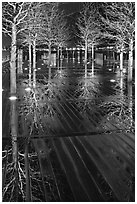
(86, 91)
(9, 188)
(37, 105)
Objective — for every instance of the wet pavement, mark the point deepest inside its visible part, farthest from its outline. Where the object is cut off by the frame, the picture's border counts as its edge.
(79, 133)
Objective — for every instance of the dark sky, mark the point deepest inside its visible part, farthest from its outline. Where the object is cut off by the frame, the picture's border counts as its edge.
(68, 7)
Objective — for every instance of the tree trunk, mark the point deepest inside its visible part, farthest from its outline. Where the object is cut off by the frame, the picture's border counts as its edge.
(20, 51)
(92, 52)
(92, 59)
(130, 62)
(30, 63)
(58, 53)
(121, 60)
(34, 63)
(85, 61)
(49, 57)
(61, 53)
(13, 61)
(58, 58)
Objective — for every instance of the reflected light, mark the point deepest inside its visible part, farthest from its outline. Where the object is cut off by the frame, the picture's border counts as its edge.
(112, 80)
(13, 98)
(2, 90)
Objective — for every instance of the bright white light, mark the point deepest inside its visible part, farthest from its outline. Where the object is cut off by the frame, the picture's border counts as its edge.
(110, 69)
(28, 89)
(26, 68)
(112, 80)
(12, 98)
(124, 70)
(39, 68)
(2, 90)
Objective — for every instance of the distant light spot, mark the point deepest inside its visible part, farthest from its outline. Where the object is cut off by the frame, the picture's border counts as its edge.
(13, 98)
(25, 68)
(39, 68)
(28, 89)
(109, 69)
(112, 80)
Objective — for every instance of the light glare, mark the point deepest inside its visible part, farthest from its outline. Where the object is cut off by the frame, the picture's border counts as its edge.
(12, 98)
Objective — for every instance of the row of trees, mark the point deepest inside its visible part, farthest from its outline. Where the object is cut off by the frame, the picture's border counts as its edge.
(29, 24)
(38, 23)
(112, 22)
(33, 24)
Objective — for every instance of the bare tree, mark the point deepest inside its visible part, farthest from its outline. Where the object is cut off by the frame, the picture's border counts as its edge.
(62, 33)
(119, 21)
(88, 29)
(13, 15)
(33, 35)
(50, 14)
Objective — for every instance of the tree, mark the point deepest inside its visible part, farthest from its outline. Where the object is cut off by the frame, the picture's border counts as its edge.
(33, 35)
(50, 15)
(13, 15)
(62, 33)
(89, 32)
(119, 21)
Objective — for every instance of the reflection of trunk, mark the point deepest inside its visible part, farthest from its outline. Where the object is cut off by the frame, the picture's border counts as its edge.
(121, 59)
(14, 142)
(92, 67)
(130, 65)
(86, 50)
(73, 54)
(20, 53)
(130, 103)
(85, 70)
(49, 74)
(28, 187)
(13, 61)
(29, 63)
(34, 63)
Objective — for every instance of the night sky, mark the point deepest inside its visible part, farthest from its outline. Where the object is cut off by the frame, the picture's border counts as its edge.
(69, 8)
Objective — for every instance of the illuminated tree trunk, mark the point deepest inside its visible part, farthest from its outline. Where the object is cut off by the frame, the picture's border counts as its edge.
(34, 63)
(13, 61)
(58, 53)
(20, 54)
(30, 63)
(86, 51)
(49, 57)
(121, 59)
(61, 53)
(49, 62)
(130, 63)
(58, 56)
(92, 59)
